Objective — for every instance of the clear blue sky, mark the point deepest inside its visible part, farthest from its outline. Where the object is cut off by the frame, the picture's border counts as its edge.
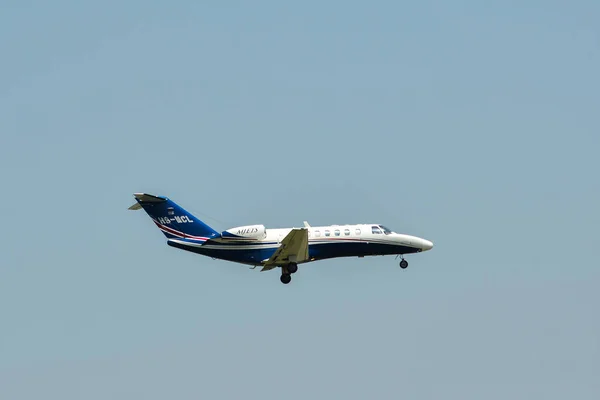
(473, 124)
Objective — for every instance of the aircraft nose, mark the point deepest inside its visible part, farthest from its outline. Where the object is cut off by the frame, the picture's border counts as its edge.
(426, 245)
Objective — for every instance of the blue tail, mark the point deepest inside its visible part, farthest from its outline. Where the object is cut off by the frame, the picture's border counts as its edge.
(172, 220)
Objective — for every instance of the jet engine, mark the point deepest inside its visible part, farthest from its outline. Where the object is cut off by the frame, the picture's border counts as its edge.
(249, 232)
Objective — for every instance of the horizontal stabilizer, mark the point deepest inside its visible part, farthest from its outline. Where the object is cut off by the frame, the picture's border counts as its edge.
(149, 198)
(145, 198)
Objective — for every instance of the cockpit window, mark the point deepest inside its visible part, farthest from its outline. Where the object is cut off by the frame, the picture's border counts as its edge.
(375, 229)
(385, 230)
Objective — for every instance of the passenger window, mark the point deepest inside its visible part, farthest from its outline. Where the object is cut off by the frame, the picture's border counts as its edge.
(357, 231)
(326, 233)
(376, 230)
(317, 233)
(337, 232)
(347, 232)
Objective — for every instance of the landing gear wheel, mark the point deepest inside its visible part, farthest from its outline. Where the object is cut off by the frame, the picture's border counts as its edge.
(403, 264)
(292, 268)
(285, 278)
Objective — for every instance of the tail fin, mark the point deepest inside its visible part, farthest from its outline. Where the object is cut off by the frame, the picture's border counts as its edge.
(172, 220)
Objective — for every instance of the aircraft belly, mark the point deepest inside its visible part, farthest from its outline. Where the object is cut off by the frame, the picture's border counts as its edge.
(246, 255)
(317, 251)
(355, 249)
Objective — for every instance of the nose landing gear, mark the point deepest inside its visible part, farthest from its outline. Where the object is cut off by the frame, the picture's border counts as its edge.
(403, 264)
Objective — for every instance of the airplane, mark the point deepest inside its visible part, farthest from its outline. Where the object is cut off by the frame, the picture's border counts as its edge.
(286, 248)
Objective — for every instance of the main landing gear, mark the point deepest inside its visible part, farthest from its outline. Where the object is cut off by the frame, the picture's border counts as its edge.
(292, 268)
(287, 271)
(403, 264)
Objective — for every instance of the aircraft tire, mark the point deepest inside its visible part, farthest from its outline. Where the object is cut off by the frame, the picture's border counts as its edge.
(403, 264)
(292, 268)
(285, 278)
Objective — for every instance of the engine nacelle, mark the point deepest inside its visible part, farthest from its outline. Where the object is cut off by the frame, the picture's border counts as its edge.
(252, 232)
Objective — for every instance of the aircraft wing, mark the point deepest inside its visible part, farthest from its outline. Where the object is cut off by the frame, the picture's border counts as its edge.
(293, 248)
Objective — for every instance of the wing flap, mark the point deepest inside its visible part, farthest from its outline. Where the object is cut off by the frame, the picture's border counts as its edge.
(293, 249)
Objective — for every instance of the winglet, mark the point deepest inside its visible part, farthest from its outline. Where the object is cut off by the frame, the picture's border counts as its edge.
(306, 225)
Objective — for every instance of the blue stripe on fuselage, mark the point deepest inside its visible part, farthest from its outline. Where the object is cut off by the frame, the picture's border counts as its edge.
(254, 253)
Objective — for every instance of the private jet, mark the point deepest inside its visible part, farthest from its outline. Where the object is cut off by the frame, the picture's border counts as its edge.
(286, 248)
